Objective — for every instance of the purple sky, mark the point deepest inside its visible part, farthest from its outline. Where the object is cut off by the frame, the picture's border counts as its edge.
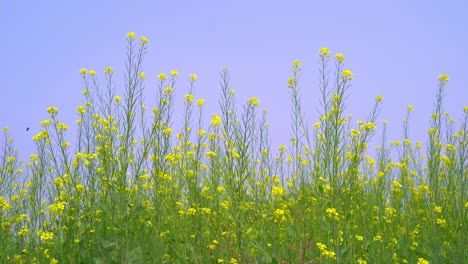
(396, 49)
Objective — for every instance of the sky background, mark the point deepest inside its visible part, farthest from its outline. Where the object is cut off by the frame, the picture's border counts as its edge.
(396, 49)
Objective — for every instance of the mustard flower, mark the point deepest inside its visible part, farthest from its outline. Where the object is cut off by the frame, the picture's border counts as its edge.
(216, 121)
(108, 70)
(282, 149)
(296, 64)
(200, 102)
(347, 75)
(339, 57)
(292, 82)
(52, 110)
(422, 261)
(254, 101)
(378, 99)
(131, 35)
(211, 154)
(83, 71)
(277, 191)
(144, 40)
(410, 108)
(117, 99)
(162, 76)
(444, 78)
(81, 110)
(4, 205)
(201, 133)
(324, 52)
(193, 77)
(142, 75)
(167, 131)
(189, 97)
(92, 73)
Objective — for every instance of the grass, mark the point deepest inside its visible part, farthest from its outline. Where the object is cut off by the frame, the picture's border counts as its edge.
(132, 190)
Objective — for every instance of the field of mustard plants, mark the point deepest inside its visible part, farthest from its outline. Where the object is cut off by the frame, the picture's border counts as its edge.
(132, 189)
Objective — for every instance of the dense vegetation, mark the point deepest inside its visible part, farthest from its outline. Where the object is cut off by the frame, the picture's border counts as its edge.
(131, 189)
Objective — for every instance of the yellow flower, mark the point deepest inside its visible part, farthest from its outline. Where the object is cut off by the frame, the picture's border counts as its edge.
(347, 75)
(277, 191)
(4, 205)
(52, 110)
(444, 78)
(254, 101)
(296, 64)
(162, 76)
(131, 35)
(379, 99)
(200, 102)
(174, 74)
(92, 73)
(216, 121)
(144, 40)
(108, 70)
(324, 52)
(117, 99)
(193, 77)
(422, 261)
(167, 131)
(142, 75)
(211, 154)
(410, 108)
(201, 133)
(189, 97)
(339, 57)
(83, 71)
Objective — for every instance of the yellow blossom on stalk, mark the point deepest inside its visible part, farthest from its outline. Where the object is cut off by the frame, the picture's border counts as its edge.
(144, 40)
(81, 110)
(189, 97)
(296, 64)
(193, 77)
(291, 82)
(4, 205)
(332, 213)
(422, 261)
(46, 236)
(347, 75)
(131, 35)
(162, 76)
(167, 131)
(45, 123)
(277, 191)
(83, 71)
(254, 101)
(324, 52)
(52, 110)
(211, 154)
(92, 73)
(339, 57)
(174, 73)
(216, 121)
(282, 148)
(379, 99)
(200, 102)
(117, 99)
(410, 108)
(142, 75)
(201, 133)
(444, 78)
(108, 70)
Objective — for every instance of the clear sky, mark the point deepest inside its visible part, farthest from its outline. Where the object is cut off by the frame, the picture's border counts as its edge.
(396, 49)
